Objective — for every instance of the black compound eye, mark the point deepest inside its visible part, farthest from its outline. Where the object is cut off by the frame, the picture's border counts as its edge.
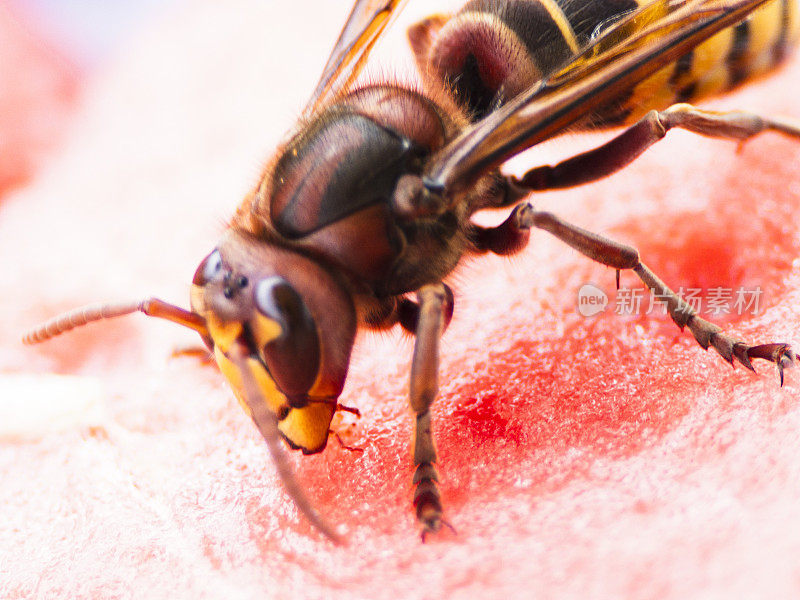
(209, 269)
(293, 358)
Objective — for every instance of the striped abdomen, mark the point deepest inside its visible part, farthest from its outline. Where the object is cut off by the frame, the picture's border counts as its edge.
(491, 50)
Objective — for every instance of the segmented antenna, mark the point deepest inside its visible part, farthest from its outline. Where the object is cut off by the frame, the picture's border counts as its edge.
(152, 307)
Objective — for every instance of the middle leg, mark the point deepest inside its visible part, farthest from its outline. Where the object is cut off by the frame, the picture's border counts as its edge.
(631, 143)
(423, 389)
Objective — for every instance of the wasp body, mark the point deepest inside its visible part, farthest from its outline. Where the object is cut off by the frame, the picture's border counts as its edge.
(371, 198)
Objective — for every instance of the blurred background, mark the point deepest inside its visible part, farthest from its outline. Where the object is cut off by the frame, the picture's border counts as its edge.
(603, 458)
(52, 51)
(85, 31)
(48, 50)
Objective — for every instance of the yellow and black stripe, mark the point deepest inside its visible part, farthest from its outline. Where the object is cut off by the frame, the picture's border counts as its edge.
(730, 58)
(550, 32)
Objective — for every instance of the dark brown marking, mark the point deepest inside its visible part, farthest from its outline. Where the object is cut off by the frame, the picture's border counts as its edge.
(737, 66)
(686, 93)
(781, 45)
(683, 67)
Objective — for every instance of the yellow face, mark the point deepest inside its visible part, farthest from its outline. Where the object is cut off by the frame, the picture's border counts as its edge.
(269, 318)
(305, 428)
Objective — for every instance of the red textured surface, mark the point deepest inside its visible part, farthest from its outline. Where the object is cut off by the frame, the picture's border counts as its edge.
(36, 96)
(580, 458)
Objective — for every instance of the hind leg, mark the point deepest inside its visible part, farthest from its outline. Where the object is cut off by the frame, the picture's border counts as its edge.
(513, 234)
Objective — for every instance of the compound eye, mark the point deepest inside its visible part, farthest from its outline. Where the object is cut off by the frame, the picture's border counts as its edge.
(209, 269)
(293, 358)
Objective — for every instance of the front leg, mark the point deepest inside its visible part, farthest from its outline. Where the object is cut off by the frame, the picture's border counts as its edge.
(424, 386)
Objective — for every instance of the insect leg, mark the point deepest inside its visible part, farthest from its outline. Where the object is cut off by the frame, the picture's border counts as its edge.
(627, 146)
(620, 256)
(200, 353)
(403, 311)
(423, 389)
(509, 237)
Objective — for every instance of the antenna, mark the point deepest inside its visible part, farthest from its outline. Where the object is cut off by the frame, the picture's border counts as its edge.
(152, 307)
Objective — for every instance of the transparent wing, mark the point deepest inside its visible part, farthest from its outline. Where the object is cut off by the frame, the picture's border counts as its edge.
(367, 21)
(628, 51)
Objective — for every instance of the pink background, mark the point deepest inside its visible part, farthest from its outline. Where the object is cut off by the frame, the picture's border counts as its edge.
(603, 458)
